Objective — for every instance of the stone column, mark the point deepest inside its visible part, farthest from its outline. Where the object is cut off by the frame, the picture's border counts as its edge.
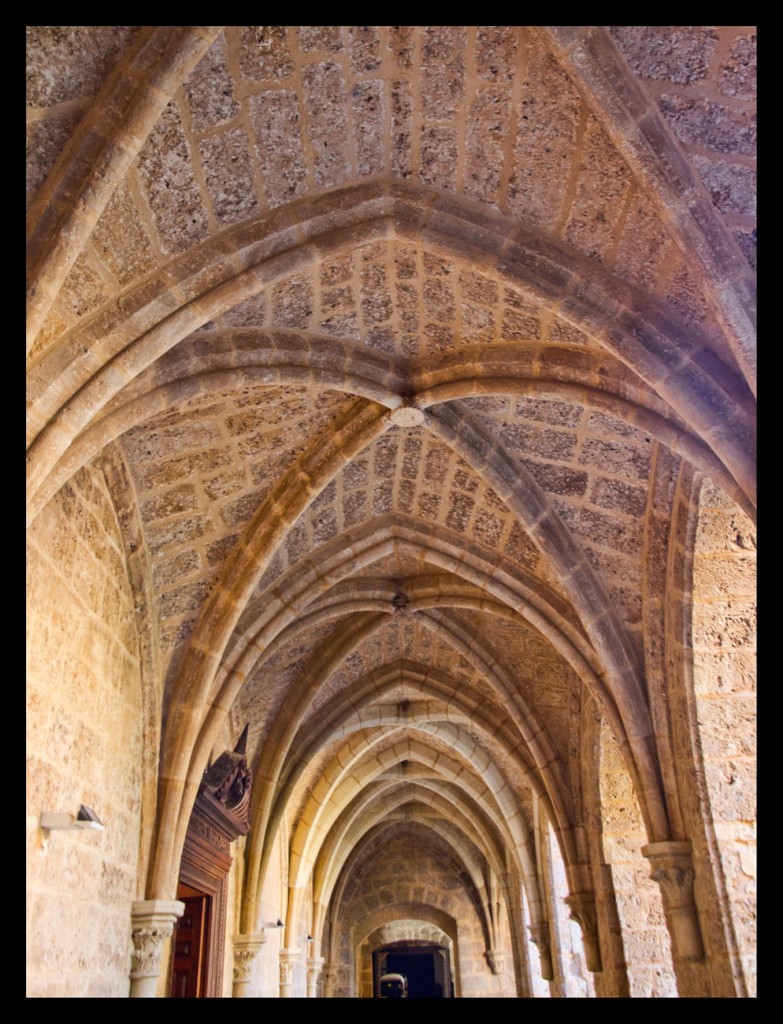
(672, 867)
(152, 923)
(539, 933)
(246, 948)
(582, 907)
(288, 960)
(315, 965)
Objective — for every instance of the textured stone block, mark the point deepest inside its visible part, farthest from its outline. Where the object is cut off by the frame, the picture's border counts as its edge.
(369, 119)
(737, 75)
(320, 37)
(731, 186)
(546, 140)
(401, 44)
(279, 144)
(496, 52)
(45, 141)
(601, 192)
(438, 151)
(442, 74)
(325, 102)
(124, 247)
(179, 499)
(616, 494)
(264, 53)
(165, 169)
(537, 441)
(228, 170)
(83, 54)
(710, 125)
(210, 89)
(676, 53)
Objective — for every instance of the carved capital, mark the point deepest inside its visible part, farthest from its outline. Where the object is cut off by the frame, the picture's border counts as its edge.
(152, 922)
(495, 960)
(539, 934)
(288, 960)
(246, 948)
(582, 907)
(671, 866)
(315, 966)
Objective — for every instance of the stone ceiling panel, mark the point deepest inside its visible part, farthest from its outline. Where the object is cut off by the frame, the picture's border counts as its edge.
(201, 473)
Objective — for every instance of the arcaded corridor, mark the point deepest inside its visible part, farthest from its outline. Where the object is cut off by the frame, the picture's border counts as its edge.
(391, 500)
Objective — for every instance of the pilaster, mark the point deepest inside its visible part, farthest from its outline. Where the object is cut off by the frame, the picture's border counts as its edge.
(671, 865)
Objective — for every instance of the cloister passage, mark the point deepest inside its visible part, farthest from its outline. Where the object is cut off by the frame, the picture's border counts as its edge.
(390, 511)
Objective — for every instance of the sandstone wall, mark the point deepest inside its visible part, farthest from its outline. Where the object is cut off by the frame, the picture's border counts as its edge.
(724, 684)
(645, 936)
(84, 741)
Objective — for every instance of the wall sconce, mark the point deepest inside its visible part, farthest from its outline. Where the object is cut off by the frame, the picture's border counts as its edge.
(85, 819)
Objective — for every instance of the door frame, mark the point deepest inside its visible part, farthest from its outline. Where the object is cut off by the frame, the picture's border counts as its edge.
(206, 861)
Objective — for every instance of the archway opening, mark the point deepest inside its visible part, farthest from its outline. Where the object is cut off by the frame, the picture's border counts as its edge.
(426, 967)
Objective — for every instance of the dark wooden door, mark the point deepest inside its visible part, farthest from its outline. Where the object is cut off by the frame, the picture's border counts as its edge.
(189, 947)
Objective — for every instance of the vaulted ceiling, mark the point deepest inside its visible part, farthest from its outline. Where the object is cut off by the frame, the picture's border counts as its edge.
(393, 344)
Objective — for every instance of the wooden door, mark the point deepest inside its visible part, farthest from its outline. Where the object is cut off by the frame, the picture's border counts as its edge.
(190, 945)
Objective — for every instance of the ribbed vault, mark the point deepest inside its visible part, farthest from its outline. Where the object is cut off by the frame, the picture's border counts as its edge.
(399, 349)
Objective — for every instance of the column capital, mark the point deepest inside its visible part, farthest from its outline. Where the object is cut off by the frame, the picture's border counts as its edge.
(288, 960)
(582, 907)
(152, 923)
(246, 947)
(671, 866)
(314, 968)
(495, 960)
(539, 934)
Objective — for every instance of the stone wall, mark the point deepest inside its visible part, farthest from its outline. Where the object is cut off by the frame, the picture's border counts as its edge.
(84, 741)
(724, 684)
(644, 934)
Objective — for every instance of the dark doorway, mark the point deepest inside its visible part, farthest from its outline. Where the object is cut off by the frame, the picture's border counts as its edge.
(190, 944)
(419, 969)
(425, 967)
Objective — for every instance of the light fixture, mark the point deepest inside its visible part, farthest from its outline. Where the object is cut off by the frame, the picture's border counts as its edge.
(310, 938)
(85, 819)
